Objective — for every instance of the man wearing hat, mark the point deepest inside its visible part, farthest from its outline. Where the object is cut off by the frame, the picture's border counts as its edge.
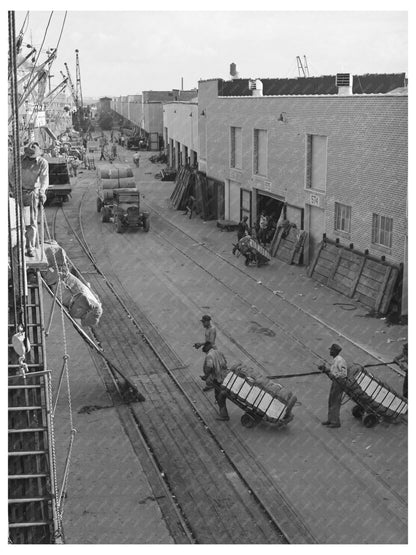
(210, 331)
(337, 373)
(215, 370)
(35, 181)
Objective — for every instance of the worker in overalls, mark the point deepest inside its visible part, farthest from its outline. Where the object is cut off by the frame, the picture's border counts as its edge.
(215, 370)
(35, 181)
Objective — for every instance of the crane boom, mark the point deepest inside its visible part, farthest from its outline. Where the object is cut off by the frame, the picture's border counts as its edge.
(78, 80)
(71, 86)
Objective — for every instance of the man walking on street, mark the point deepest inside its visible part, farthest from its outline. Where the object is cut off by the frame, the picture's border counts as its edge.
(215, 370)
(35, 181)
(337, 373)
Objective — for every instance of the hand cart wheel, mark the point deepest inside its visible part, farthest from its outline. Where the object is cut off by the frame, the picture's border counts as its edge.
(357, 411)
(370, 420)
(248, 421)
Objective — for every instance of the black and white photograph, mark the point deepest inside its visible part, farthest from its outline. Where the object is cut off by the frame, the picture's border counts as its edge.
(208, 274)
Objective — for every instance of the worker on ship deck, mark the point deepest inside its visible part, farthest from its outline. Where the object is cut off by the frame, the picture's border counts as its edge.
(35, 181)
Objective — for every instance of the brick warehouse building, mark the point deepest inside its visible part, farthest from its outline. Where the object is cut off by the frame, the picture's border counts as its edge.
(338, 161)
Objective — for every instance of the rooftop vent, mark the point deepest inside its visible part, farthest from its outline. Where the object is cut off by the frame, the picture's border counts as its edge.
(344, 83)
(256, 86)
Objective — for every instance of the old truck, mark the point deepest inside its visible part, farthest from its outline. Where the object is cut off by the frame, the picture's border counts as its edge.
(119, 199)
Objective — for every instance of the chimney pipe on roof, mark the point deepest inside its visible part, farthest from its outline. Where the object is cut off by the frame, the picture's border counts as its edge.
(233, 71)
(344, 83)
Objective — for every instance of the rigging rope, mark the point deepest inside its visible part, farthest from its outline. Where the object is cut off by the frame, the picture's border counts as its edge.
(65, 369)
(17, 187)
(40, 50)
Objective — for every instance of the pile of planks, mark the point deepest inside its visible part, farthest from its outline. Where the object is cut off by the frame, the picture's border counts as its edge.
(355, 274)
(288, 243)
(184, 185)
(206, 192)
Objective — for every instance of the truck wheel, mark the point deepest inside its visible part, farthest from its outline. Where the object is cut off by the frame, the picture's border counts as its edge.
(118, 225)
(146, 225)
(99, 204)
(105, 216)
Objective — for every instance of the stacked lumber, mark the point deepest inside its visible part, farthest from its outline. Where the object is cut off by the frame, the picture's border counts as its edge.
(206, 192)
(183, 188)
(355, 274)
(287, 244)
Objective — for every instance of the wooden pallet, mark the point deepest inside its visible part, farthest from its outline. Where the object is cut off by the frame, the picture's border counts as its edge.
(355, 274)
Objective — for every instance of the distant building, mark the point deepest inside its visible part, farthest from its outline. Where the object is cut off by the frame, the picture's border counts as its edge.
(144, 113)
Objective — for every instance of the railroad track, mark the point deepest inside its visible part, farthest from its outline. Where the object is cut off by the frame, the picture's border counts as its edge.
(187, 250)
(213, 491)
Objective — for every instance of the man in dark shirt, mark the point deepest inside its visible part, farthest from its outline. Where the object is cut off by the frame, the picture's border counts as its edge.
(242, 230)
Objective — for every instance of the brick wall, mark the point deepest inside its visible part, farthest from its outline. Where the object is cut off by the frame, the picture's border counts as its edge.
(182, 126)
(367, 153)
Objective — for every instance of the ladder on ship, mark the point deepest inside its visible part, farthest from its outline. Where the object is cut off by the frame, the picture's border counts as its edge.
(31, 469)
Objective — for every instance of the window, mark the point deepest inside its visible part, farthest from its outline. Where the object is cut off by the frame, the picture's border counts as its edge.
(260, 152)
(342, 218)
(236, 158)
(382, 232)
(316, 162)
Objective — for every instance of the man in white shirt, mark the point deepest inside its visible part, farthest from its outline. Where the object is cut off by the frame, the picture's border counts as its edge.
(337, 373)
(35, 181)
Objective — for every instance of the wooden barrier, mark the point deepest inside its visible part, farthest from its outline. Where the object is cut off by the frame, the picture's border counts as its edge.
(354, 274)
(288, 245)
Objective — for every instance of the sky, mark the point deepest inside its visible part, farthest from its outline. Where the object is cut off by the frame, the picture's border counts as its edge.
(127, 51)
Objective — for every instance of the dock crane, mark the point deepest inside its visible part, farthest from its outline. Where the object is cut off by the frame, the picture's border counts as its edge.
(78, 81)
(74, 95)
(303, 69)
(80, 122)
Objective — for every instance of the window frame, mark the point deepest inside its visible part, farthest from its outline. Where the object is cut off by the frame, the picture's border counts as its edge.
(236, 156)
(309, 174)
(342, 213)
(256, 152)
(379, 231)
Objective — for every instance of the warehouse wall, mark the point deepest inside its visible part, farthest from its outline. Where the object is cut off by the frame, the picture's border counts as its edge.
(181, 120)
(366, 155)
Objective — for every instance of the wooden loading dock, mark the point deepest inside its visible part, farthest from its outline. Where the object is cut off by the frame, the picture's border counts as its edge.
(357, 275)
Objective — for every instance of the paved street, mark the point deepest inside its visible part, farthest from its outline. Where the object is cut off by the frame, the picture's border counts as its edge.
(349, 485)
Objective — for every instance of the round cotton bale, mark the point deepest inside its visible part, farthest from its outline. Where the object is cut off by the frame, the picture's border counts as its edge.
(125, 182)
(115, 172)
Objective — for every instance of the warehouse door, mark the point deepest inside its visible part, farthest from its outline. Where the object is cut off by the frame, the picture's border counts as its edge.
(154, 141)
